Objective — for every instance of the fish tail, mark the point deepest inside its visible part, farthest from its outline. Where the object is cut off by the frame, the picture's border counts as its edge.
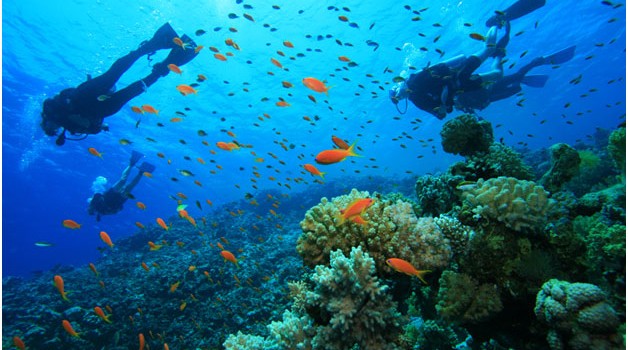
(351, 150)
(322, 175)
(340, 219)
(422, 273)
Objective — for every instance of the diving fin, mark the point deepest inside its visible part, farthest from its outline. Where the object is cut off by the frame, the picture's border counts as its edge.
(516, 10)
(561, 56)
(537, 81)
(146, 168)
(135, 157)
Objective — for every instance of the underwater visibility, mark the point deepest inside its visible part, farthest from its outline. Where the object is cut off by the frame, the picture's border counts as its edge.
(237, 174)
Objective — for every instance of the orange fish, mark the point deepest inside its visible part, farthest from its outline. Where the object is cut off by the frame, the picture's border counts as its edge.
(137, 110)
(344, 58)
(288, 44)
(220, 57)
(139, 224)
(174, 286)
(403, 266)
(312, 170)
(359, 220)
(58, 282)
(198, 48)
(276, 63)
(93, 151)
(175, 120)
(105, 238)
(142, 341)
(282, 104)
(149, 109)
(154, 246)
(476, 36)
(201, 77)
(141, 205)
(180, 42)
(230, 146)
(147, 174)
(145, 267)
(335, 155)
(174, 68)
(101, 314)
(286, 84)
(71, 224)
(93, 268)
(315, 85)
(339, 142)
(357, 207)
(186, 89)
(68, 328)
(18, 343)
(227, 255)
(162, 223)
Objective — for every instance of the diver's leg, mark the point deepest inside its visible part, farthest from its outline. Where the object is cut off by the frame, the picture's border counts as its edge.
(496, 72)
(128, 188)
(506, 87)
(113, 104)
(125, 175)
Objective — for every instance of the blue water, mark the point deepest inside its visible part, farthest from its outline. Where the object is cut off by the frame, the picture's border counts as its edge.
(48, 47)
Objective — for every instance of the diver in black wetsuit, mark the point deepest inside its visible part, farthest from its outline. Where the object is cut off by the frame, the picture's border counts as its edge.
(81, 110)
(113, 199)
(454, 83)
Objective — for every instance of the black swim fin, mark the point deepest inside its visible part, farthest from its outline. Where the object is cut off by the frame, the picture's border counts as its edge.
(146, 168)
(162, 39)
(181, 55)
(135, 157)
(516, 10)
(561, 56)
(537, 81)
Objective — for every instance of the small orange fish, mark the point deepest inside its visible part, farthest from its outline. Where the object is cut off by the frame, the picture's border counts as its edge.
(176, 120)
(18, 343)
(162, 223)
(154, 246)
(137, 110)
(286, 84)
(68, 328)
(71, 224)
(312, 170)
(339, 142)
(201, 77)
(288, 44)
(227, 255)
(180, 42)
(403, 266)
(93, 268)
(344, 58)
(142, 341)
(105, 238)
(186, 89)
(174, 286)
(335, 155)
(276, 63)
(141, 205)
(198, 48)
(139, 224)
(94, 152)
(58, 282)
(220, 57)
(315, 85)
(150, 109)
(147, 174)
(182, 306)
(355, 208)
(101, 314)
(174, 68)
(476, 36)
(282, 104)
(145, 267)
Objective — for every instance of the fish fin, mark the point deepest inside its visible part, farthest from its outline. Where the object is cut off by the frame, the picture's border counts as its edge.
(351, 151)
(323, 175)
(340, 219)
(422, 273)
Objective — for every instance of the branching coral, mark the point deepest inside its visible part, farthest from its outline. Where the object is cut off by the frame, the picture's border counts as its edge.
(436, 194)
(393, 230)
(500, 160)
(577, 315)
(466, 135)
(518, 204)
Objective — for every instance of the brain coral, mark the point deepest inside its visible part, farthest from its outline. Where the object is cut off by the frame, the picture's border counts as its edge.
(577, 315)
(466, 135)
(519, 204)
(392, 231)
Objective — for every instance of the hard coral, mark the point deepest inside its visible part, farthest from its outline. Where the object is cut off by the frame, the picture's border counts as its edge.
(617, 148)
(466, 135)
(436, 194)
(518, 204)
(565, 165)
(577, 316)
(392, 231)
(462, 299)
(500, 160)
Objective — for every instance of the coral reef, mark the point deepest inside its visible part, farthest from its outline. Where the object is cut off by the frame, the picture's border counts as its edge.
(436, 194)
(577, 316)
(393, 230)
(346, 306)
(466, 135)
(617, 148)
(457, 233)
(518, 204)
(462, 299)
(500, 160)
(565, 164)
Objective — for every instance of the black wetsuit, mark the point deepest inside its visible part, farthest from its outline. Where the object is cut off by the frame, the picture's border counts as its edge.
(107, 203)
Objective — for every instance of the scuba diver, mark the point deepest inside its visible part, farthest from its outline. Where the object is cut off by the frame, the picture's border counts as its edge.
(113, 199)
(453, 83)
(81, 110)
